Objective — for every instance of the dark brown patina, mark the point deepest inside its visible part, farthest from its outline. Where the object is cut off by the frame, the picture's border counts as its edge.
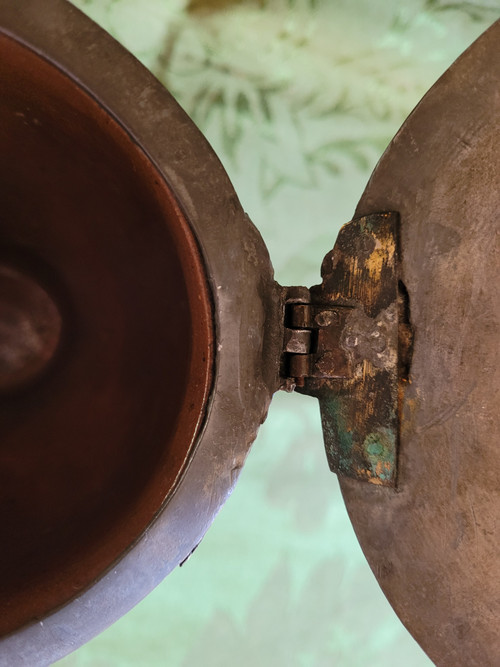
(434, 545)
(90, 449)
(135, 404)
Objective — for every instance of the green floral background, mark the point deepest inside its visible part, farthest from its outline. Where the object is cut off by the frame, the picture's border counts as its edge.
(298, 98)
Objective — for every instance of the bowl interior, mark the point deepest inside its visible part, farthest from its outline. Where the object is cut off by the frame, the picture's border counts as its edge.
(92, 447)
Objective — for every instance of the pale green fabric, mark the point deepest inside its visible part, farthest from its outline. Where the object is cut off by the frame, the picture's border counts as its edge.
(299, 99)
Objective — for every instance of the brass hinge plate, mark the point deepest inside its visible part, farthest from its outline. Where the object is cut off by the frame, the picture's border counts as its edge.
(348, 342)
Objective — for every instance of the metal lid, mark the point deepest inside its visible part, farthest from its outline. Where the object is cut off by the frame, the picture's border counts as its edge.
(434, 544)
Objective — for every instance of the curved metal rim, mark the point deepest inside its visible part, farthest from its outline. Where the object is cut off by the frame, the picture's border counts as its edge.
(243, 292)
(433, 545)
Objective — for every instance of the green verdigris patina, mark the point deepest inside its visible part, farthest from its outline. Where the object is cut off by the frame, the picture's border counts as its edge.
(359, 407)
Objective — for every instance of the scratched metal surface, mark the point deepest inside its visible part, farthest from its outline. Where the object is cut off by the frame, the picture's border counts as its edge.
(359, 411)
(434, 544)
(299, 99)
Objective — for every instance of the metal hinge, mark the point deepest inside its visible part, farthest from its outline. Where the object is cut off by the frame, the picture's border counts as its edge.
(312, 339)
(348, 342)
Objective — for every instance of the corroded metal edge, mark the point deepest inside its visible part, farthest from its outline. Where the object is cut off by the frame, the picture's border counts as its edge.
(359, 413)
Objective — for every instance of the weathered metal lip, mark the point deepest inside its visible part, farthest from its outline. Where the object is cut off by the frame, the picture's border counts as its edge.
(245, 301)
(433, 545)
(92, 447)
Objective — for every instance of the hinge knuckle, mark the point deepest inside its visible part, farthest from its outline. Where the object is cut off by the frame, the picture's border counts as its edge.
(312, 341)
(298, 341)
(348, 342)
(301, 316)
(300, 366)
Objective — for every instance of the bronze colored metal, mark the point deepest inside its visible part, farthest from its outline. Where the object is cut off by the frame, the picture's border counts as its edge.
(360, 341)
(171, 335)
(434, 544)
(170, 342)
(359, 414)
(89, 453)
(312, 342)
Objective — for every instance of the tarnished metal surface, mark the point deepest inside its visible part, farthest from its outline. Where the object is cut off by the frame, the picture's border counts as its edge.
(103, 259)
(243, 301)
(355, 370)
(434, 545)
(312, 342)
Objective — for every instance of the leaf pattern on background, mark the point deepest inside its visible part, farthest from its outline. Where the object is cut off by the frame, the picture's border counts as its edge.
(478, 10)
(274, 67)
(312, 626)
(299, 492)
